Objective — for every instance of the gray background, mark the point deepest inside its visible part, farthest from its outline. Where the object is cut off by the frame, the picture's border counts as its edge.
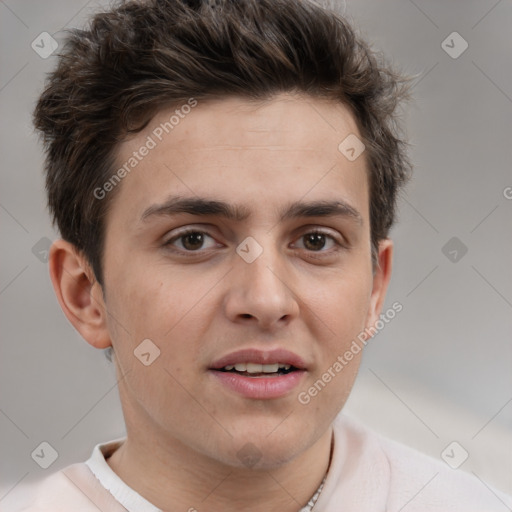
(439, 372)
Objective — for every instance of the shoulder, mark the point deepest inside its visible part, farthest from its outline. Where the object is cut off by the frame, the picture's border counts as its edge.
(57, 491)
(74, 488)
(436, 486)
(415, 481)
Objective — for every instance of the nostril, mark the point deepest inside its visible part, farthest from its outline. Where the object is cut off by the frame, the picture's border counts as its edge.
(246, 315)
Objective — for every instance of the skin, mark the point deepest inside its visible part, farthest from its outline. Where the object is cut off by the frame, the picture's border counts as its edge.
(184, 428)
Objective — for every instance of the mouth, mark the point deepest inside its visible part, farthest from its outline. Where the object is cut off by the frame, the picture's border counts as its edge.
(259, 374)
(256, 370)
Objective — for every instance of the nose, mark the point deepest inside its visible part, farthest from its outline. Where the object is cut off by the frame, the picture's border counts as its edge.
(261, 292)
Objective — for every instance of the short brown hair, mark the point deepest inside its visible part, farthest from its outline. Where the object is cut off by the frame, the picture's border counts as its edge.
(142, 56)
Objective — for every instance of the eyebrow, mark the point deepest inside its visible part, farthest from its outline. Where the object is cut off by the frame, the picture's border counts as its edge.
(209, 207)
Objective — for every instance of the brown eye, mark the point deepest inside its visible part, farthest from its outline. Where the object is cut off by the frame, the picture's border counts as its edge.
(191, 241)
(314, 241)
(317, 241)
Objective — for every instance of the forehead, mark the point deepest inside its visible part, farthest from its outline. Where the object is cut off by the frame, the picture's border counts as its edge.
(256, 154)
(284, 122)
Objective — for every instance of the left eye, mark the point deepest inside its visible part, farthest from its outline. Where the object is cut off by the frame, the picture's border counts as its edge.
(316, 241)
(191, 241)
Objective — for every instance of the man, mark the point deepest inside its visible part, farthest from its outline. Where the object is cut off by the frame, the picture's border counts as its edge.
(224, 177)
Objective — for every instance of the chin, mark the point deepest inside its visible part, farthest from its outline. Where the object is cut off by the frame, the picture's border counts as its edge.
(259, 458)
(263, 447)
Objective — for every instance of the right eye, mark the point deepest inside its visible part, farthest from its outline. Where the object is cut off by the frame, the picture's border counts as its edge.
(191, 240)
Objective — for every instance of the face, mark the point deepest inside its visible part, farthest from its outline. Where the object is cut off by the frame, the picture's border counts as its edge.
(239, 245)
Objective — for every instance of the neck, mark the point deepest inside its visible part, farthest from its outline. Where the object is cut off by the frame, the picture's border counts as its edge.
(174, 477)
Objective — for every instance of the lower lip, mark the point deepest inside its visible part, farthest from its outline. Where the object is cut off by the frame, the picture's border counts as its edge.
(261, 388)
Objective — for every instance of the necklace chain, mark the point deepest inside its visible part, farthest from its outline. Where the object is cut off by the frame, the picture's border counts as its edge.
(311, 503)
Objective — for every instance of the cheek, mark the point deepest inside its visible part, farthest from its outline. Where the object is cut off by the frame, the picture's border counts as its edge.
(343, 302)
(172, 309)
(149, 307)
(153, 299)
(346, 315)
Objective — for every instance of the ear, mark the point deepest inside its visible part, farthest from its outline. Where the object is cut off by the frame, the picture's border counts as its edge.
(79, 294)
(381, 277)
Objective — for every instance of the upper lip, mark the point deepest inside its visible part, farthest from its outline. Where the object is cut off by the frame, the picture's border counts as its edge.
(260, 357)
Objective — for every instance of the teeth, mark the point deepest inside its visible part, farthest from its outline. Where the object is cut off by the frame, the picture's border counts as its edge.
(254, 368)
(257, 368)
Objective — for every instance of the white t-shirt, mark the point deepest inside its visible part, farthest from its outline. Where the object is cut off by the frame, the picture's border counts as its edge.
(368, 473)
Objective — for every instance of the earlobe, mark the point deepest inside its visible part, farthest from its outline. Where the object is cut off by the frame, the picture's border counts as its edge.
(381, 278)
(79, 294)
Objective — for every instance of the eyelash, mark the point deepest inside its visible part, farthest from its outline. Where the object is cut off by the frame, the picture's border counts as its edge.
(168, 244)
